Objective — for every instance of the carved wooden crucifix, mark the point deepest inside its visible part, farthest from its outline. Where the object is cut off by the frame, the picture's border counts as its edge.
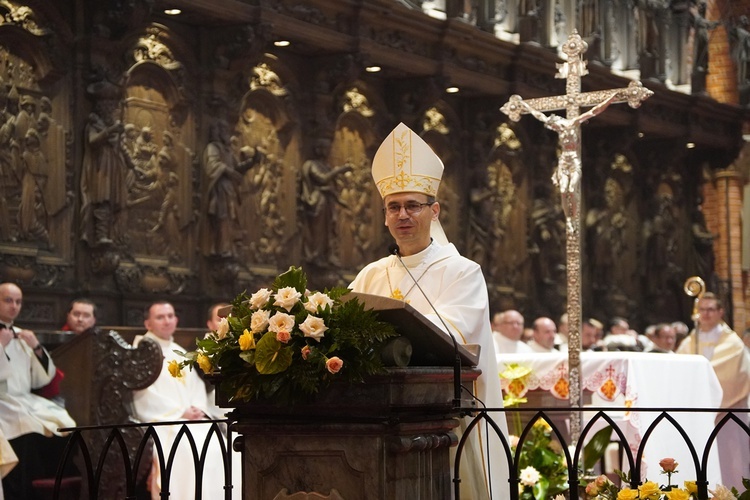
(567, 178)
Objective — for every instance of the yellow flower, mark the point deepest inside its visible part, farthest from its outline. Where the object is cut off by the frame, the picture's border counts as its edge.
(204, 363)
(543, 425)
(649, 490)
(691, 487)
(247, 341)
(627, 494)
(678, 494)
(514, 371)
(175, 369)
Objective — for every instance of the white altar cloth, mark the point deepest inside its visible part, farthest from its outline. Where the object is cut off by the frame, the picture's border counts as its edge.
(632, 380)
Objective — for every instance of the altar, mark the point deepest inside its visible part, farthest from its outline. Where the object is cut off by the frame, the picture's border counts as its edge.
(629, 380)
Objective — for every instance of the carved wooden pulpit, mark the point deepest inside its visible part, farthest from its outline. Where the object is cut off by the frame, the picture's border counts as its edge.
(389, 437)
(101, 373)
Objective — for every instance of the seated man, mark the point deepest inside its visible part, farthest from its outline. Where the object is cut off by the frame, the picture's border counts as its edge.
(544, 336)
(81, 316)
(28, 421)
(179, 398)
(663, 339)
(507, 330)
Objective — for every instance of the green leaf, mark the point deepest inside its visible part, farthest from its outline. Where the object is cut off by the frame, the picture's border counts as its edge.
(540, 488)
(270, 355)
(595, 448)
(294, 278)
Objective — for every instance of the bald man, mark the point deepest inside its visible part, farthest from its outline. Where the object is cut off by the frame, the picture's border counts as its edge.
(28, 421)
(507, 329)
(544, 336)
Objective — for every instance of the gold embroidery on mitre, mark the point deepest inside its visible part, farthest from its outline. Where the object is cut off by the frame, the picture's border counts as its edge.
(406, 163)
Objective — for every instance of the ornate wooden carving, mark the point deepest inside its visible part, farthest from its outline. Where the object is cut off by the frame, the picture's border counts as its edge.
(101, 373)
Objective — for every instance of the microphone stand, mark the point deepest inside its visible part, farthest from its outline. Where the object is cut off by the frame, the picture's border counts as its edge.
(394, 249)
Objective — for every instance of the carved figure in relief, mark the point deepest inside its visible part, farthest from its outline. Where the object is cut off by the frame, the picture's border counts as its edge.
(661, 245)
(740, 38)
(701, 27)
(607, 229)
(32, 212)
(567, 176)
(224, 176)
(103, 188)
(547, 236)
(7, 167)
(319, 199)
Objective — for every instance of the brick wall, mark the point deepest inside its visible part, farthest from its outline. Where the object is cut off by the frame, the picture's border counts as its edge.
(723, 197)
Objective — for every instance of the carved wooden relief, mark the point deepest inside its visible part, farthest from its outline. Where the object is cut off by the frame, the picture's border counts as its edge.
(34, 150)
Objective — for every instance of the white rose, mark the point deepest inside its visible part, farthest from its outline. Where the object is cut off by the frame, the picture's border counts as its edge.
(529, 476)
(260, 298)
(259, 320)
(223, 329)
(722, 493)
(316, 300)
(313, 327)
(281, 322)
(287, 297)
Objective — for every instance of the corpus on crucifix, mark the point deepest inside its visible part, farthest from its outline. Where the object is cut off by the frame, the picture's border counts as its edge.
(567, 178)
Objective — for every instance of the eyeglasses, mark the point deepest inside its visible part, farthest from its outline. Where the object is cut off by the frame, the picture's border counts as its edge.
(411, 207)
(708, 309)
(517, 323)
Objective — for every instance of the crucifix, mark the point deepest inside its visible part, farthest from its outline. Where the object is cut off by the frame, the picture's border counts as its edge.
(567, 178)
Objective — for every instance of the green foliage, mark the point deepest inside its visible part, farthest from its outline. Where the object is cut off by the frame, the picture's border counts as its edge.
(595, 448)
(268, 363)
(544, 454)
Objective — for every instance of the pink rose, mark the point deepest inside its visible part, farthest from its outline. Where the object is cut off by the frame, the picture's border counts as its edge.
(601, 481)
(334, 364)
(591, 489)
(283, 336)
(668, 464)
(306, 352)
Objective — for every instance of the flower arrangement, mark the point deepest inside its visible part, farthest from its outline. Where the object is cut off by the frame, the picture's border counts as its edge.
(542, 468)
(603, 489)
(285, 343)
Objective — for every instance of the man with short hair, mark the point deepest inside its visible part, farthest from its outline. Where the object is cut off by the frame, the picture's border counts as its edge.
(663, 338)
(507, 330)
(178, 398)
(407, 174)
(81, 316)
(590, 335)
(544, 336)
(28, 421)
(715, 340)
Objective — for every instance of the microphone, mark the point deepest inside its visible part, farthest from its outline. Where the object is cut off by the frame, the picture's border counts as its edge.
(393, 249)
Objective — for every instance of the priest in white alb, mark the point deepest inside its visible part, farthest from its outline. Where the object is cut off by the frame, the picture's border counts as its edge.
(407, 174)
(730, 359)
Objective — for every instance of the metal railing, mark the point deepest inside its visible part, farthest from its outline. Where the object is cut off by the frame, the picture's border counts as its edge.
(91, 463)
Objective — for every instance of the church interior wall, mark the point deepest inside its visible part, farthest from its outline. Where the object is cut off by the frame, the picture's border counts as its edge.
(137, 115)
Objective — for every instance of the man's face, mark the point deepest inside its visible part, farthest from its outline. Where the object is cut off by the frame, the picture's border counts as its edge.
(710, 314)
(213, 322)
(411, 231)
(161, 321)
(544, 333)
(665, 339)
(81, 317)
(588, 336)
(511, 325)
(11, 299)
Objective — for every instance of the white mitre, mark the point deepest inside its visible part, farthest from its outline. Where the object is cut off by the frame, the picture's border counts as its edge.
(405, 163)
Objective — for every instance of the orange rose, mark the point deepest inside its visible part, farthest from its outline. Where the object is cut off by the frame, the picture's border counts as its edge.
(306, 352)
(334, 364)
(283, 336)
(668, 464)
